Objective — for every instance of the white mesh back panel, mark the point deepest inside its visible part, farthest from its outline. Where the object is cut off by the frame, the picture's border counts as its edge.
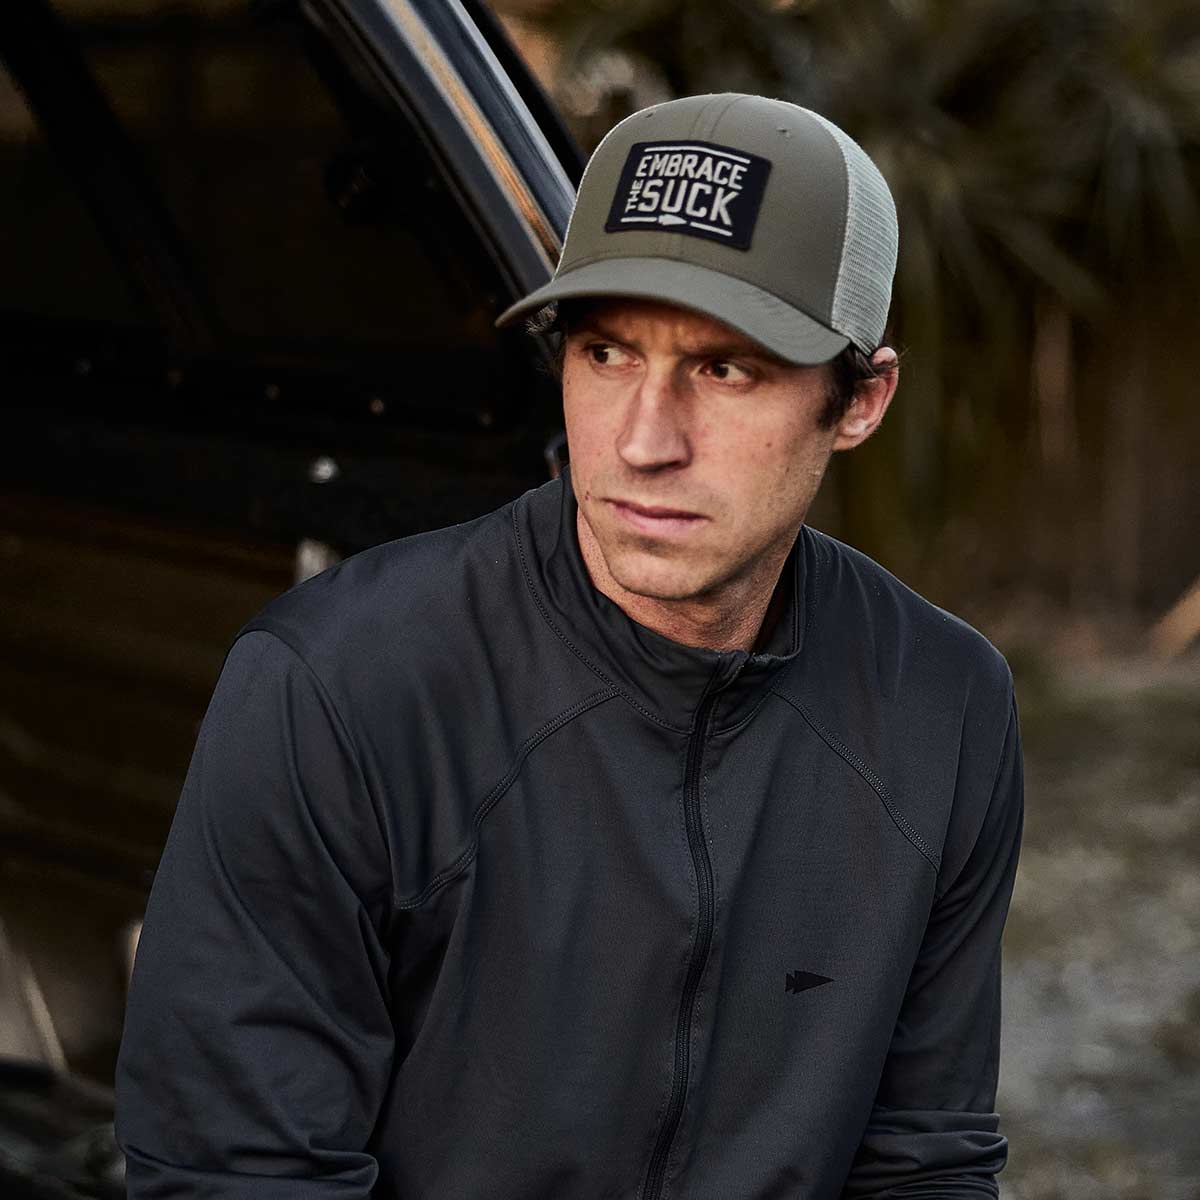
(864, 285)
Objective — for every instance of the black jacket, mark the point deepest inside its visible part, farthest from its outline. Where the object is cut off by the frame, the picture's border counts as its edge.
(478, 889)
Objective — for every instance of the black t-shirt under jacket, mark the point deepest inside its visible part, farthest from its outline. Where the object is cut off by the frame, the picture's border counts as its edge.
(479, 890)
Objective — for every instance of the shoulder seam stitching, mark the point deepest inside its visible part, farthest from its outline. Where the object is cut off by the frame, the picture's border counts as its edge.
(254, 626)
(946, 885)
(869, 776)
(493, 797)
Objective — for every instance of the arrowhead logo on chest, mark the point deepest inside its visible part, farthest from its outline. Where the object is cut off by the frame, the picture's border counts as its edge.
(801, 981)
(697, 188)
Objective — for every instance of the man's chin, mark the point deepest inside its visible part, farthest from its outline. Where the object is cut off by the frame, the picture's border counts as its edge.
(657, 578)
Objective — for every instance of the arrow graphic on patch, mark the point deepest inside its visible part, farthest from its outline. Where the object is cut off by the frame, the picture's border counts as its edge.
(801, 981)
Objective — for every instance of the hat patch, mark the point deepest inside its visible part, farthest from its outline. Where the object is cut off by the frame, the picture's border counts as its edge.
(697, 188)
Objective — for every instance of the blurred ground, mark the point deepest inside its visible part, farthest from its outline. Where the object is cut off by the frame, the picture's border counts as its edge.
(1100, 1081)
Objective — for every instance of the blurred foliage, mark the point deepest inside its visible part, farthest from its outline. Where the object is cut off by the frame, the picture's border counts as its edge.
(1045, 157)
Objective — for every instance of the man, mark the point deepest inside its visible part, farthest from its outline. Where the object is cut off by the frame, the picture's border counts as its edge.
(635, 840)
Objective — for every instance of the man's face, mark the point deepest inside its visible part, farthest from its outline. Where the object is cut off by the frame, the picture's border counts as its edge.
(695, 453)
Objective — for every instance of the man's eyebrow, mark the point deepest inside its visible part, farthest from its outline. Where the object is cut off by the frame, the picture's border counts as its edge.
(737, 349)
(715, 349)
(596, 326)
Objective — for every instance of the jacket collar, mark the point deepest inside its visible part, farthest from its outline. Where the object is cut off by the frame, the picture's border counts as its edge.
(664, 679)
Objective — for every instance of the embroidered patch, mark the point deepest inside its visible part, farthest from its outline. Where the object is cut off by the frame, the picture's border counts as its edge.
(696, 188)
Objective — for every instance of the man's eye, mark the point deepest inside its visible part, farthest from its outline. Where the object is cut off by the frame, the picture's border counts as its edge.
(606, 355)
(724, 371)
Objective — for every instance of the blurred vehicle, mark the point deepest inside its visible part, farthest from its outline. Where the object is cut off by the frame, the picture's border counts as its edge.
(252, 253)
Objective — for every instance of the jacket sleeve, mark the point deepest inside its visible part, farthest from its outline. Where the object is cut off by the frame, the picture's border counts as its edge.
(258, 1040)
(933, 1132)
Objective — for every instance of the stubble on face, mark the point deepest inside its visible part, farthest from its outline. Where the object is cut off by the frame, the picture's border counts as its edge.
(695, 456)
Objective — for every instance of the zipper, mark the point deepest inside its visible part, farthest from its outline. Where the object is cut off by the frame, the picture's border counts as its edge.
(652, 1188)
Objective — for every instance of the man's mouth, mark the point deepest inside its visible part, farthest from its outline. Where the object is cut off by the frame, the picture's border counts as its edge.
(655, 519)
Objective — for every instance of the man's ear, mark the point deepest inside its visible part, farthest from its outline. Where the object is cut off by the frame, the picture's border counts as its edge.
(871, 400)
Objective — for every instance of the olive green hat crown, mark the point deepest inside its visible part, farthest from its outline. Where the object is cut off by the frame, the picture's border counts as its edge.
(754, 211)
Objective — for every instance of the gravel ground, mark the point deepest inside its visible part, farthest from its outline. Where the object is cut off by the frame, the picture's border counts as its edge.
(1100, 1075)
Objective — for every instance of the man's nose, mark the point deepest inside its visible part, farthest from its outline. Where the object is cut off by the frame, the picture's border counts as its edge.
(653, 435)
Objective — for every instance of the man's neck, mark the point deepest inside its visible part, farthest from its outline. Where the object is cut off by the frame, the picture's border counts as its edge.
(738, 618)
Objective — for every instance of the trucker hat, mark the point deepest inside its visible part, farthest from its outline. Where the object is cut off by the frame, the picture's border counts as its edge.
(754, 211)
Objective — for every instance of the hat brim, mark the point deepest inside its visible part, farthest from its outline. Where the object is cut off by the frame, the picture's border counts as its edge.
(785, 331)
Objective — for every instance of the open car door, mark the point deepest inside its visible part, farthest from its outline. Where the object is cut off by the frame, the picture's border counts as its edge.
(253, 250)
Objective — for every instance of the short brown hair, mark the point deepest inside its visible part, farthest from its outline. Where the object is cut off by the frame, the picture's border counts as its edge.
(848, 370)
